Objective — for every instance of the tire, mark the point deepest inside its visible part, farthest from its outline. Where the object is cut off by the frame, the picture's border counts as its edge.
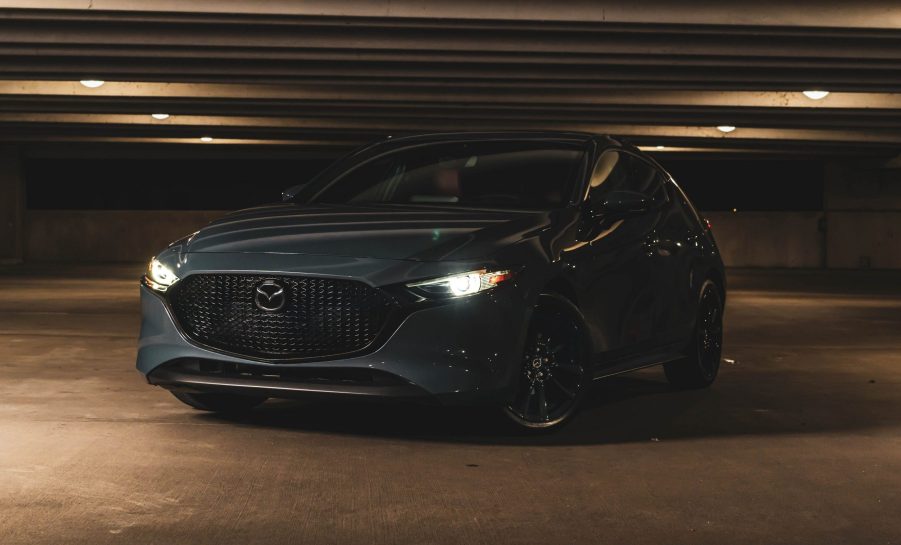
(220, 403)
(554, 375)
(701, 365)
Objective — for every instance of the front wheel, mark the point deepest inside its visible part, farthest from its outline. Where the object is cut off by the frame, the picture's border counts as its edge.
(700, 366)
(220, 403)
(554, 374)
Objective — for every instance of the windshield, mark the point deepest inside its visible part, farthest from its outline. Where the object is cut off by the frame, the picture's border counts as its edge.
(522, 175)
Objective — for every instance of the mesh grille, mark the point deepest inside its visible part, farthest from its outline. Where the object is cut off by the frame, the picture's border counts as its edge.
(321, 317)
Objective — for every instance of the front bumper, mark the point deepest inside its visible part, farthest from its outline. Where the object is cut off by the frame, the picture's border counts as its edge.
(465, 351)
(192, 375)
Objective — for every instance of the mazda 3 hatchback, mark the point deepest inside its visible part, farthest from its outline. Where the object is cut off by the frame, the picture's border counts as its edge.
(502, 269)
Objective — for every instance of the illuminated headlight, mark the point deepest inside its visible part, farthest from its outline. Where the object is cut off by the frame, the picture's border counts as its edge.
(460, 285)
(158, 276)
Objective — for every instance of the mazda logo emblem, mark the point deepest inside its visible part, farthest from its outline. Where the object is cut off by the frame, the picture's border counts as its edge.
(269, 296)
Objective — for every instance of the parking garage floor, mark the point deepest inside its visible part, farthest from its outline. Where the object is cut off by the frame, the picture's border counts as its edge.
(799, 441)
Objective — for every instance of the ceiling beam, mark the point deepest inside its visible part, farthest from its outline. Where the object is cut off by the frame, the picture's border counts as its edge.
(281, 73)
(352, 45)
(799, 13)
(192, 127)
(388, 92)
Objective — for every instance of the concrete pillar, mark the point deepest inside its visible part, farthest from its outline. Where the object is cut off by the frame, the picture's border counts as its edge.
(12, 205)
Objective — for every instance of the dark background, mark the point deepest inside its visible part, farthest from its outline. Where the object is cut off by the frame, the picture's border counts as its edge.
(226, 184)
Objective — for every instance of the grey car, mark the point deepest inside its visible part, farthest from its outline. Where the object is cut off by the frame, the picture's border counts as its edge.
(498, 269)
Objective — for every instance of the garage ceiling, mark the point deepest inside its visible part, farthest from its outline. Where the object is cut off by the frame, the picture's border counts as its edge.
(328, 76)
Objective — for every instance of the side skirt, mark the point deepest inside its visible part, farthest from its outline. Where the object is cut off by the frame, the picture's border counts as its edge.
(659, 356)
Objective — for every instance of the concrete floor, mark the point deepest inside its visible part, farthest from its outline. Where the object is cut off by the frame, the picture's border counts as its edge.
(798, 442)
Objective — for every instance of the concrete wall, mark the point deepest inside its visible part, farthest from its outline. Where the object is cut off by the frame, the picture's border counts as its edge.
(864, 239)
(107, 235)
(852, 239)
(863, 214)
(769, 239)
(859, 228)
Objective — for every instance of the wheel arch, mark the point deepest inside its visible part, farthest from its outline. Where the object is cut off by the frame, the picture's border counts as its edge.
(560, 286)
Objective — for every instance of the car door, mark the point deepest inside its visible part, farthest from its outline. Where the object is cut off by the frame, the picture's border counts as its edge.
(678, 252)
(615, 268)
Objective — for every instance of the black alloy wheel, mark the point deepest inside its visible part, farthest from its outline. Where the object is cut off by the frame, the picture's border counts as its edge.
(554, 374)
(702, 363)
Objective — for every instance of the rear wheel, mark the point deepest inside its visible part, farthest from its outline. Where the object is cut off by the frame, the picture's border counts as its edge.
(220, 403)
(554, 373)
(700, 366)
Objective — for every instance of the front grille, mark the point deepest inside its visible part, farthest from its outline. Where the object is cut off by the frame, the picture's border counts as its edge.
(321, 317)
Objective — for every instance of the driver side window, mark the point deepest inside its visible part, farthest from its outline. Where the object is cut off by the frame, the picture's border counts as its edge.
(619, 171)
(610, 174)
(644, 178)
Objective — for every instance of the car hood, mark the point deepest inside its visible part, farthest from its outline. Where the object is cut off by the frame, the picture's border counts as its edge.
(421, 233)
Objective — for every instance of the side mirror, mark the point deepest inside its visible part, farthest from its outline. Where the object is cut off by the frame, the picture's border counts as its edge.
(289, 193)
(622, 203)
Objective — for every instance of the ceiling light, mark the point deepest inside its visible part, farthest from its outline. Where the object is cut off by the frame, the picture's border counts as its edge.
(660, 147)
(725, 128)
(816, 95)
(206, 138)
(160, 116)
(92, 83)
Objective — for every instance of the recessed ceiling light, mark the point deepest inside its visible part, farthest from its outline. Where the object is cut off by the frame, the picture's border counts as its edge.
(206, 138)
(661, 147)
(725, 128)
(92, 83)
(160, 116)
(816, 95)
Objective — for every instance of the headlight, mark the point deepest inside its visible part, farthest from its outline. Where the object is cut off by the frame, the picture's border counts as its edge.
(158, 276)
(460, 285)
